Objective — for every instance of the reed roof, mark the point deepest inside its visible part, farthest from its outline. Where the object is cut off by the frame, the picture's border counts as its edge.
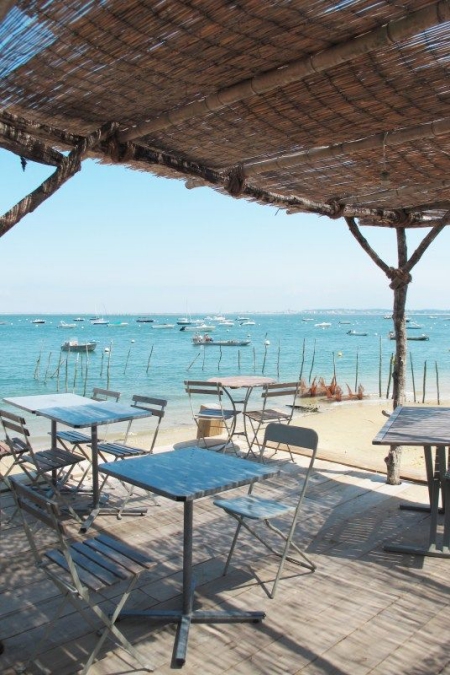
(336, 108)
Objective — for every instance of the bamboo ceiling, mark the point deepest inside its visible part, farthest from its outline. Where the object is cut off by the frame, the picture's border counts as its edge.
(340, 109)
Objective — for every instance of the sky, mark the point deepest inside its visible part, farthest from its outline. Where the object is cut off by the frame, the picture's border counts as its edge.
(117, 241)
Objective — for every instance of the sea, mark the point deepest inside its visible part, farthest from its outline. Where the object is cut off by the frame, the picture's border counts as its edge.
(135, 358)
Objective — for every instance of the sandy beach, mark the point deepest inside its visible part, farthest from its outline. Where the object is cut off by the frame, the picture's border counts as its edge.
(346, 431)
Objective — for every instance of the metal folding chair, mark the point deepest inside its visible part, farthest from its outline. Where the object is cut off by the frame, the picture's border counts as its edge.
(222, 412)
(256, 420)
(81, 570)
(48, 469)
(73, 440)
(118, 451)
(259, 509)
(11, 458)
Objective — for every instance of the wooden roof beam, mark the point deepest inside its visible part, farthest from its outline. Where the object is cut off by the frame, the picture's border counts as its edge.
(378, 141)
(28, 147)
(392, 33)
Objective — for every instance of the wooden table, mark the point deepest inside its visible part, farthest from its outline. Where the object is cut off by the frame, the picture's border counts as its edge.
(184, 476)
(428, 427)
(80, 412)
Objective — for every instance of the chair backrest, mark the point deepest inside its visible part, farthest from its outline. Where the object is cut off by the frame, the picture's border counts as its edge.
(99, 394)
(17, 435)
(286, 390)
(157, 406)
(205, 388)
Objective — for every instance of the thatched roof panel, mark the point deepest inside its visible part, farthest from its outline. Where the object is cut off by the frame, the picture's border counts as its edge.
(199, 88)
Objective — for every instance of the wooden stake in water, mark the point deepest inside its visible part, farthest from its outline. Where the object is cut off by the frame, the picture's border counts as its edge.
(412, 377)
(149, 359)
(48, 366)
(424, 381)
(126, 361)
(86, 373)
(380, 366)
(357, 369)
(239, 360)
(254, 360)
(75, 373)
(264, 359)
(193, 361)
(36, 370)
(108, 369)
(67, 371)
(278, 361)
(101, 364)
(437, 384)
(391, 365)
(312, 361)
(204, 357)
(220, 358)
(334, 367)
(303, 359)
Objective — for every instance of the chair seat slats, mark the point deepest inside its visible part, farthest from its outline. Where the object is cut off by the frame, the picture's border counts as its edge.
(270, 414)
(127, 551)
(214, 413)
(120, 450)
(99, 559)
(73, 437)
(254, 507)
(90, 580)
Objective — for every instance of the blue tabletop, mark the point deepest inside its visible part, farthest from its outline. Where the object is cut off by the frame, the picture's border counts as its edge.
(35, 402)
(93, 413)
(187, 474)
(415, 426)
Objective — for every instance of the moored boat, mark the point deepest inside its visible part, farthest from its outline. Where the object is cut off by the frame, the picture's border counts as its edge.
(414, 338)
(163, 325)
(64, 324)
(144, 319)
(357, 332)
(73, 345)
(38, 321)
(207, 340)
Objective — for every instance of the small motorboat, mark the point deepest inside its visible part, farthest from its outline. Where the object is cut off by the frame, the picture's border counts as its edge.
(247, 322)
(207, 340)
(74, 346)
(163, 325)
(197, 327)
(357, 332)
(79, 318)
(144, 319)
(38, 321)
(324, 324)
(64, 324)
(414, 338)
(99, 322)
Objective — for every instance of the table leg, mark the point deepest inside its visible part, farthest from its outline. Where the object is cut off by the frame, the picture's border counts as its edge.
(435, 479)
(187, 615)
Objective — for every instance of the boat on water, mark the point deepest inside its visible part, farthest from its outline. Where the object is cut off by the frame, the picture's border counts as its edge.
(73, 345)
(344, 322)
(79, 318)
(64, 324)
(38, 321)
(247, 322)
(415, 338)
(414, 326)
(163, 325)
(207, 340)
(196, 327)
(99, 322)
(117, 324)
(144, 319)
(324, 324)
(357, 332)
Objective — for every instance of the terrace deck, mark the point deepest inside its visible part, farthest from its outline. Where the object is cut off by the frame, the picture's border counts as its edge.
(363, 611)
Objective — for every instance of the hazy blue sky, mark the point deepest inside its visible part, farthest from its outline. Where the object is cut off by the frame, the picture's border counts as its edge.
(113, 240)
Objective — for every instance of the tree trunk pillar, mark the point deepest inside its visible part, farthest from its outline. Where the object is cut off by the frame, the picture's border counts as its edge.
(399, 284)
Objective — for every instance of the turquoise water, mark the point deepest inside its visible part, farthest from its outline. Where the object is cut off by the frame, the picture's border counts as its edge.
(155, 362)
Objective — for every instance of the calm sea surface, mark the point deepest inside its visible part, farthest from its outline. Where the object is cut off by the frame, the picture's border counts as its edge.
(136, 358)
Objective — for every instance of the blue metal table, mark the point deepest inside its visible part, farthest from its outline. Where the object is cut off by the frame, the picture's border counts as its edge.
(80, 412)
(428, 427)
(184, 476)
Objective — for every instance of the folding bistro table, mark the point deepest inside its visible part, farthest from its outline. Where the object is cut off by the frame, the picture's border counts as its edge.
(183, 476)
(428, 427)
(80, 412)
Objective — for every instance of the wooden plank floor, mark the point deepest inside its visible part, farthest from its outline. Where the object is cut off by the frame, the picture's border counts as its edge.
(363, 610)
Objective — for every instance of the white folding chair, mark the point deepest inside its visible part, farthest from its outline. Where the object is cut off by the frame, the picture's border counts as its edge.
(255, 508)
(73, 440)
(50, 469)
(222, 411)
(256, 420)
(81, 570)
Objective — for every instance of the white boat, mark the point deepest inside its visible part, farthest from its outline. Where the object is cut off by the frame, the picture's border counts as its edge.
(117, 324)
(414, 326)
(184, 321)
(79, 318)
(324, 324)
(357, 332)
(144, 319)
(73, 345)
(208, 341)
(414, 338)
(99, 322)
(163, 325)
(38, 321)
(247, 322)
(196, 327)
(64, 324)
